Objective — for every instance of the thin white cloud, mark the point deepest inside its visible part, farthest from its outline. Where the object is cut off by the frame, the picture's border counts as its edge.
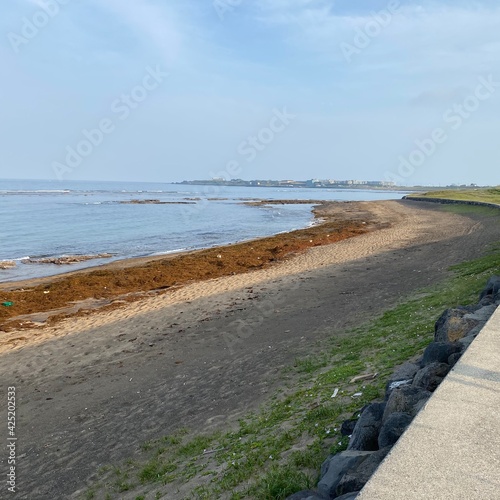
(38, 3)
(152, 23)
(434, 37)
(441, 97)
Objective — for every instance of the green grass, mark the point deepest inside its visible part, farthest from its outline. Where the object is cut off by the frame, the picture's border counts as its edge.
(280, 482)
(279, 449)
(486, 195)
(310, 365)
(155, 470)
(89, 494)
(196, 446)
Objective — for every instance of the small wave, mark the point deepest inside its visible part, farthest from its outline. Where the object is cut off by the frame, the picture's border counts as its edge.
(316, 222)
(168, 252)
(36, 191)
(21, 258)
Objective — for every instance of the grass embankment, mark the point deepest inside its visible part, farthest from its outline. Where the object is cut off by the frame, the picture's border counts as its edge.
(278, 450)
(485, 195)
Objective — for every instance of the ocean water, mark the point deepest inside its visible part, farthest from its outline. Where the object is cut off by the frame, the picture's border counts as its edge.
(41, 219)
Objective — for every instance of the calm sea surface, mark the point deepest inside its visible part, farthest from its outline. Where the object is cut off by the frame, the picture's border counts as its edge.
(52, 219)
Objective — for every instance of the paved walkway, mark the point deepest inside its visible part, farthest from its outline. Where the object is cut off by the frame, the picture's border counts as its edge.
(452, 448)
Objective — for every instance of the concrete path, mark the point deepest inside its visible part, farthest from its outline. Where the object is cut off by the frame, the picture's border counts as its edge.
(452, 448)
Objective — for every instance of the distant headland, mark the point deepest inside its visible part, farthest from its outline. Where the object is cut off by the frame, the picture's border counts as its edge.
(316, 183)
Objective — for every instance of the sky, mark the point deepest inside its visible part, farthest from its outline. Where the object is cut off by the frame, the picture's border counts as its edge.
(405, 91)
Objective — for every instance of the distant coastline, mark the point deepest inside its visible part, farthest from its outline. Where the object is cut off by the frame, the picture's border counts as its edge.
(318, 184)
(312, 183)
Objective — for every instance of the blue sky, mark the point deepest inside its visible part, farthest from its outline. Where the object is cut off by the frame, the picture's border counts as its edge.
(369, 87)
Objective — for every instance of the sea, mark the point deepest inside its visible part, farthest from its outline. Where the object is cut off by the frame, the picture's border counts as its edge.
(45, 219)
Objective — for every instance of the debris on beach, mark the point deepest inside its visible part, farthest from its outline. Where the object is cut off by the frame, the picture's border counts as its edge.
(368, 376)
(216, 450)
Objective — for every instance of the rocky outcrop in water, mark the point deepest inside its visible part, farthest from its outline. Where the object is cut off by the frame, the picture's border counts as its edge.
(7, 264)
(67, 259)
(156, 202)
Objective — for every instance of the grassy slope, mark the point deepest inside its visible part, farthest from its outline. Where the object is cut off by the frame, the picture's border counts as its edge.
(488, 195)
(279, 450)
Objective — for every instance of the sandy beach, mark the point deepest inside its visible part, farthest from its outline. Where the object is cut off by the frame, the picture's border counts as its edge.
(93, 387)
(40, 301)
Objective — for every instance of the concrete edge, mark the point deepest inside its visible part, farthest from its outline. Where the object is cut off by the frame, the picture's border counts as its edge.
(451, 450)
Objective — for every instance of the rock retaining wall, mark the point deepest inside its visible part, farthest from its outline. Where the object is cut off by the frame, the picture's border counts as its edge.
(381, 424)
(446, 201)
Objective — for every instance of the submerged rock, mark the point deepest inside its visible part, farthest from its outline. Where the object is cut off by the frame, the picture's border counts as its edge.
(156, 202)
(7, 264)
(66, 259)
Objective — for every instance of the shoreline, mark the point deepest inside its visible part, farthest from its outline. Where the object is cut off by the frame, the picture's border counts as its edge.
(40, 301)
(118, 262)
(82, 262)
